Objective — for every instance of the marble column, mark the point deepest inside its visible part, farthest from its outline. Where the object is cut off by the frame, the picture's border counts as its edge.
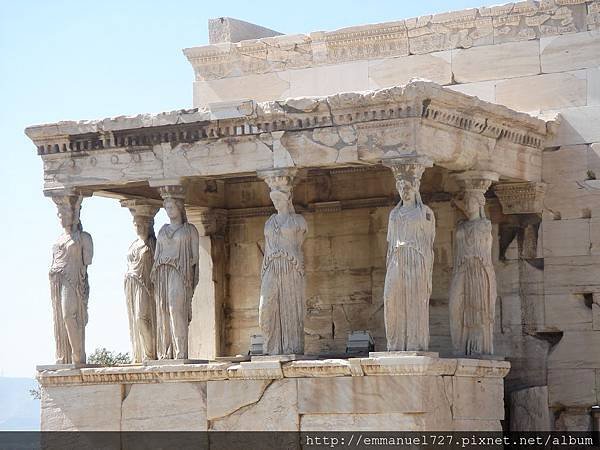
(139, 289)
(408, 280)
(283, 284)
(174, 275)
(207, 326)
(472, 296)
(71, 255)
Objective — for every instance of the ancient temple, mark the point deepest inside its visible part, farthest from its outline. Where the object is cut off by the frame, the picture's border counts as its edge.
(429, 180)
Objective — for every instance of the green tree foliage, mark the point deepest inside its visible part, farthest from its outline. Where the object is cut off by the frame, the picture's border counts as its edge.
(106, 357)
(100, 356)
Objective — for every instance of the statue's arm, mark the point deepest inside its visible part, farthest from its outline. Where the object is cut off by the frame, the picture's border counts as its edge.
(88, 248)
(195, 254)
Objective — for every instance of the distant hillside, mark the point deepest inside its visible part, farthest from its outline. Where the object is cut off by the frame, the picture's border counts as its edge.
(18, 410)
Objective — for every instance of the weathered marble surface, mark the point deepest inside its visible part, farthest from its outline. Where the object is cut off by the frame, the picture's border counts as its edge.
(341, 129)
(529, 410)
(516, 23)
(282, 302)
(473, 290)
(196, 397)
(69, 288)
(408, 280)
(139, 289)
(175, 276)
(164, 407)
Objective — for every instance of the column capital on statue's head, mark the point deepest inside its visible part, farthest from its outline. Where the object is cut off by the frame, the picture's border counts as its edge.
(170, 188)
(281, 179)
(142, 207)
(57, 193)
(475, 180)
(410, 167)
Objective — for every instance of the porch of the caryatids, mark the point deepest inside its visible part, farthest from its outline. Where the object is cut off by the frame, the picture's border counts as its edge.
(472, 296)
(139, 289)
(408, 280)
(71, 255)
(282, 290)
(175, 275)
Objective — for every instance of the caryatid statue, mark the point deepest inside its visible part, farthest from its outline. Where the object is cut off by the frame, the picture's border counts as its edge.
(473, 286)
(139, 290)
(408, 279)
(71, 255)
(175, 275)
(282, 289)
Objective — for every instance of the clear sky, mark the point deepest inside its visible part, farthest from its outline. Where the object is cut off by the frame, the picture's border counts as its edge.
(71, 60)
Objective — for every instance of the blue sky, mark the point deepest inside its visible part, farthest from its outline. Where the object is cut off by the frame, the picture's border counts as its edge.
(71, 60)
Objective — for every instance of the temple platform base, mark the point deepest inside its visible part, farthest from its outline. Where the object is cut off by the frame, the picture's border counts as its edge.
(391, 393)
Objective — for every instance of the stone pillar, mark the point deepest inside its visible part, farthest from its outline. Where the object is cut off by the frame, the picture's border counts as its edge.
(69, 289)
(207, 326)
(522, 205)
(139, 289)
(175, 274)
(408, 279)
(282, 304)
(473, 290)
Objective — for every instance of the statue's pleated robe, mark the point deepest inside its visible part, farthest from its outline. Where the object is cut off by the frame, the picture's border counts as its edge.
(139, 294)
(174, 280)
(411, 231)
(473, 289)
(69, 291)
(282, 291)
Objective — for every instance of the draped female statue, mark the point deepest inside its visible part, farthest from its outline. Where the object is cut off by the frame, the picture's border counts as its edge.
(175, 275)
(282, 290)
(139, 291)
(473, 287)
(411, 231)
(71, 254)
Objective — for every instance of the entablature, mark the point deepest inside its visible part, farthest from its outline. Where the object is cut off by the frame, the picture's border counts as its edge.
(233, 139)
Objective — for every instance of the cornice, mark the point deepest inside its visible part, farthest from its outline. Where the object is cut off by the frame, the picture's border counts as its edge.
(275, 369)
(416, 100)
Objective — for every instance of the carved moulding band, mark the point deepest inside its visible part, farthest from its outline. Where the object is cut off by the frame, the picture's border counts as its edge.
(409, 167)
(521, 198)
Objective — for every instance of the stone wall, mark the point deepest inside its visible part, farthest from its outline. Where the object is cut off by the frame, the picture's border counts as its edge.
(538, 57)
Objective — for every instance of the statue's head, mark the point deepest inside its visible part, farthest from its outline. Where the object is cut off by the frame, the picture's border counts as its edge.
(175, 209)
(144, 226)
(69, 207)
(408, 189)
(473, 204)
(282, 200)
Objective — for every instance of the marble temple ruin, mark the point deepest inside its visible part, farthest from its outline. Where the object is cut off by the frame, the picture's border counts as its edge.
(431, 181)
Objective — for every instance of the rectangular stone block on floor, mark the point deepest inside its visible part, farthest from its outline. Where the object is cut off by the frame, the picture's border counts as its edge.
(572, 387)
(529, 409)
(253, 405)
(164, 407)
(81, 408)
(360, 395)
(478, 398)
